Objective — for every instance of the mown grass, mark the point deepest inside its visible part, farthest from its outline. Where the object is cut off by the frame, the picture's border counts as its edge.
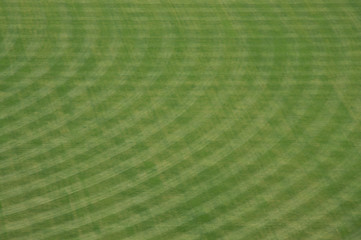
(180, 119)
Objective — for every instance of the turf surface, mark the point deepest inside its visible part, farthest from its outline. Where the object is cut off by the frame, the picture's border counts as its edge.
(180, 119)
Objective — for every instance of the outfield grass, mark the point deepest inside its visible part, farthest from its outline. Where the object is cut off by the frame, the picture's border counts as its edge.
(180, 119)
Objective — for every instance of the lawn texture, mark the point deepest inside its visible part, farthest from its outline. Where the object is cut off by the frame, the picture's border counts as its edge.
(180, 119)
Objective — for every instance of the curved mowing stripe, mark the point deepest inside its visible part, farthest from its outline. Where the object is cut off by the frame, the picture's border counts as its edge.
(143, 136)
(171, 235)
(179, 119)
(47, 90)
(24, 59)
(87, 104)
(63, 45)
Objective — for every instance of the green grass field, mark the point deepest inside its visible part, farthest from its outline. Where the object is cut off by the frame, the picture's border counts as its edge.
(180, 119)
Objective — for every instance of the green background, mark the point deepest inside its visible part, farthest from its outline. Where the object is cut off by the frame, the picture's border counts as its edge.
(180, 119)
